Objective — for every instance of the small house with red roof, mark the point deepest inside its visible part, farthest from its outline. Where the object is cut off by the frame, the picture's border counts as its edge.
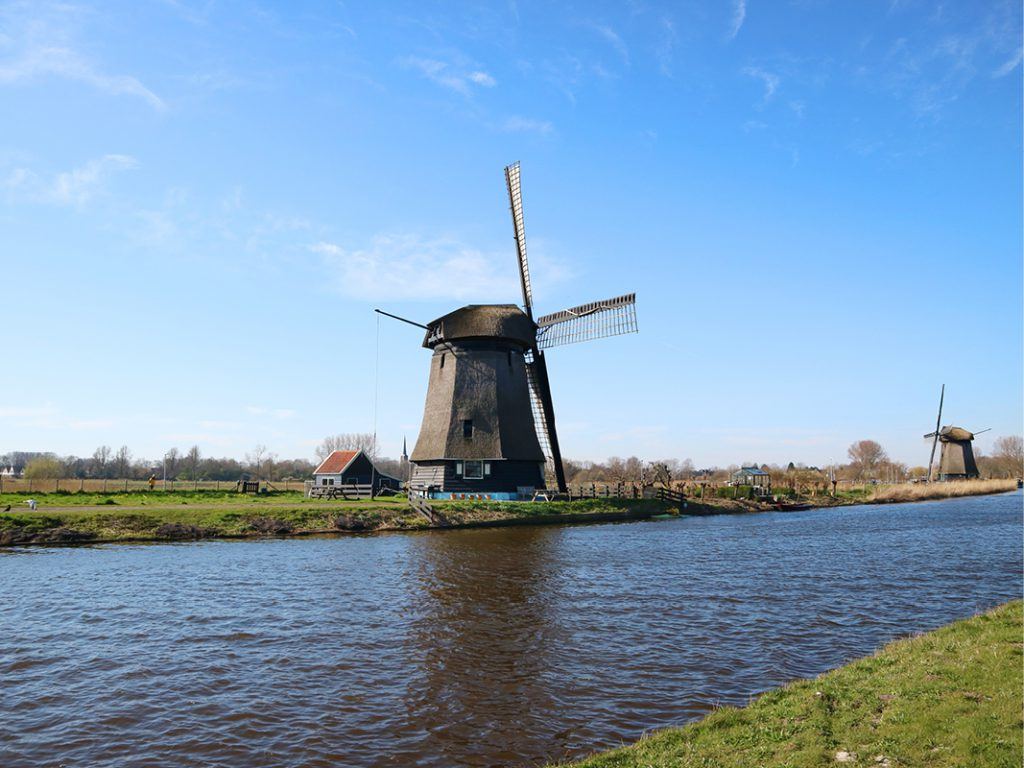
(350, 468)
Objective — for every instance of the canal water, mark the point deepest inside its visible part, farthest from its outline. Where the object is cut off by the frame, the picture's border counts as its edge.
(492, 647)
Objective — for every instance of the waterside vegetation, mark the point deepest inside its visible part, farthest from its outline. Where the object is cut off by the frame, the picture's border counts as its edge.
(952, 697)
(73, 517)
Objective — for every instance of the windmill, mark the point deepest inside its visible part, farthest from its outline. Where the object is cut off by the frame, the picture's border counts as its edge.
(489, 421)
(956, 462)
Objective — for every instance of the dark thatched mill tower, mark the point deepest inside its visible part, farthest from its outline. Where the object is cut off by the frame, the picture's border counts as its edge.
(956, 462)
(489, 423)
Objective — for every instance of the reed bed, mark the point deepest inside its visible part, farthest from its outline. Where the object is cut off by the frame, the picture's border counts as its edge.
(925, 491)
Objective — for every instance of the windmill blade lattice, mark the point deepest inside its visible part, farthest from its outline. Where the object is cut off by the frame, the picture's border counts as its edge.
(540, 421)
(515, 199)
(596, 320)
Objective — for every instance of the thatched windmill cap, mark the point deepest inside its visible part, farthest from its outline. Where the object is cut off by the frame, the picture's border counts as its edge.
(483, 321)
(955, 434)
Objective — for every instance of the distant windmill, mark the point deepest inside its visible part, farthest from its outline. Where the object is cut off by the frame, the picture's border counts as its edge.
(956, 462)
(489, 421)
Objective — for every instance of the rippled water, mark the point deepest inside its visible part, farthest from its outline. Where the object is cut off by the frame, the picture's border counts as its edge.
(488, 647)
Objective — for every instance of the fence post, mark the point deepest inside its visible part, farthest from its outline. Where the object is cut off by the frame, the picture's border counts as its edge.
(81, 484)
(30, 485)
(56, 485)
(126, 485)
(104, 485)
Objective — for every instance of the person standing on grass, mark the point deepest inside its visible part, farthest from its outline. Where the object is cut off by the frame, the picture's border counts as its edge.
(152, 481)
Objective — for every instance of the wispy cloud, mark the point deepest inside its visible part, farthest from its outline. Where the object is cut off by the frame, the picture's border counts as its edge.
(41, 61)
(403, 266)
(663, 51)
(451, 76)
(517, 124)
(611, 37)
(1010, 64)
(482, 78)
(277, 413)
(769, 79)
(75, 187)
(739, 15)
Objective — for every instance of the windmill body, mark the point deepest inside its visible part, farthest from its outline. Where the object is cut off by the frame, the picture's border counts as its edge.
(956, 461)
(488, 425)
(478, 433)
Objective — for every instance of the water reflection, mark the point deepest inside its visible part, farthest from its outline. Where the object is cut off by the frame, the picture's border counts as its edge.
(482, 632)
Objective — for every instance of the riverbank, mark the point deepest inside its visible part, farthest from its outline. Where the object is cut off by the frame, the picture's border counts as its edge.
(176, 519)
(84, 518)
(951, 697)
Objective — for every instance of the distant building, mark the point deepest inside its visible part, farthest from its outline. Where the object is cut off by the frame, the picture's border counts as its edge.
(754, 476)
(352, 468)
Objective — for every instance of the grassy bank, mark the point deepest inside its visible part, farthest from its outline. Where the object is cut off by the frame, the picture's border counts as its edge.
(948, 698)
(194, 516)
(156, 515)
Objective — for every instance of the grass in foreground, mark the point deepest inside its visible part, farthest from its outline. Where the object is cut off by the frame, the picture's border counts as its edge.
(952, 697)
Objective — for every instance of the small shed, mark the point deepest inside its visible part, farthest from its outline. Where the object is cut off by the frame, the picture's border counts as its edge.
(351, 468)
(754, 476)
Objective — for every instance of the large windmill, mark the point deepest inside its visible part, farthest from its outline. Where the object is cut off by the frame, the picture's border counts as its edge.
(489, 421)
(956, 462)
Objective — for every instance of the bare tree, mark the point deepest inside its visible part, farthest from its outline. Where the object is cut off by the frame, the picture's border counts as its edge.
(1009, 452)
(347, 441)
(47, 467)
(255, 459)
(100, 460)
(865, 456)
(123, 461)
(193, 458)
(661, 472)
(171, 459)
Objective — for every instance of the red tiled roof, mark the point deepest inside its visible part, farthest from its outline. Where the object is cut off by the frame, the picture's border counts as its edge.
(335, 463)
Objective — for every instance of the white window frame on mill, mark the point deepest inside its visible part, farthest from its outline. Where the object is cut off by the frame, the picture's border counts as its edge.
(483, 469)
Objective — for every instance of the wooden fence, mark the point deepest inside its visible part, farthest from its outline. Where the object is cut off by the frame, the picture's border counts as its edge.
(121, 485)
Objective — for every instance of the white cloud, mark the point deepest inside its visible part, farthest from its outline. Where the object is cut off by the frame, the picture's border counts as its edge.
(613, 39)
(80, 184)
(451, 76)
(277, 413)
(739, 14)
(89, 424)
(74, 187)
(1010, 64)
(410, 267)
(482, 78)
(517, 124)
(665, 47)
(64, 62)
(770, 80)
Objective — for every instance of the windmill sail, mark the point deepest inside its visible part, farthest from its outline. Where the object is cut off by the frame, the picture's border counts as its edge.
(935, 434)
(515, 198)
(544, 415)
(596, 320)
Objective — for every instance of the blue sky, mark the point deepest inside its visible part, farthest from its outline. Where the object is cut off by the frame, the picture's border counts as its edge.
(817, 203)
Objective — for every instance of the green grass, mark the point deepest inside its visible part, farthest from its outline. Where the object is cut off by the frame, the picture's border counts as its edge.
(146, 498)
(949, 698)
(209, 515)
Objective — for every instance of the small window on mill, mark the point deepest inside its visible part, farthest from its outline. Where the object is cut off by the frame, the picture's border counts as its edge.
(467, 428)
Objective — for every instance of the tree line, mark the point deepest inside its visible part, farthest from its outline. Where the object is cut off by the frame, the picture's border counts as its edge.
(867, 461)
